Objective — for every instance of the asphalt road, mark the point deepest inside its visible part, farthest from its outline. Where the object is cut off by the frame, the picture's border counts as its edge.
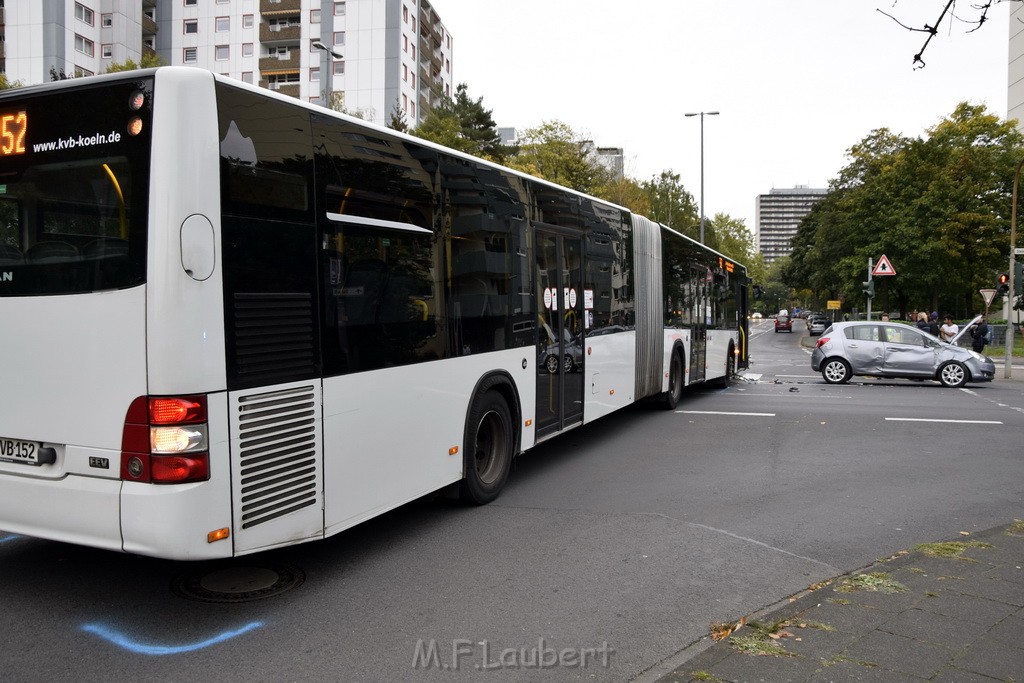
(612, 549)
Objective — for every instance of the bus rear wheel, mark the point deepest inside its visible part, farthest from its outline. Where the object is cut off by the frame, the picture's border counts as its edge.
(670, 399)
(489, 448)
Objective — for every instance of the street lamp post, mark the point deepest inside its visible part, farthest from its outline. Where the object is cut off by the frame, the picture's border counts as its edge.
(327, 70)
(702, 114)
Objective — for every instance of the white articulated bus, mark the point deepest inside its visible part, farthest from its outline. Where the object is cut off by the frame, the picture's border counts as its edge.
(232, 321)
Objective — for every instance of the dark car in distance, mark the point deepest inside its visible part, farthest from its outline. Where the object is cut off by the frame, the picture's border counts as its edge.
(783, 322)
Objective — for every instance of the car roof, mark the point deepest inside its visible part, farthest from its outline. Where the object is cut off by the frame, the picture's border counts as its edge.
(963, 328)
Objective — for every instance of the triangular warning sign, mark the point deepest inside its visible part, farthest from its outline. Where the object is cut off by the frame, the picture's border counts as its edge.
(883, 267)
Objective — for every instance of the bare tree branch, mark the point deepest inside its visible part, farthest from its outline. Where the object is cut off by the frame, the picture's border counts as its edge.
(948, 9)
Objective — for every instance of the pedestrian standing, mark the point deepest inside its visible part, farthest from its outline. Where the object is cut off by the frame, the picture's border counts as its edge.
(949, 329)
(979, 334)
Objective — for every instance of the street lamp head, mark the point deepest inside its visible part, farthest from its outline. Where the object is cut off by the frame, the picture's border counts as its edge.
(701, 113)
(320, 46)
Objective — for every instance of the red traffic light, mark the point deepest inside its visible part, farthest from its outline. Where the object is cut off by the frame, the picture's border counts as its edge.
(1004, 284)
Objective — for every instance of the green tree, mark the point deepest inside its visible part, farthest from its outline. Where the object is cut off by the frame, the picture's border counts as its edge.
(397, 120)
(936, 206)
(6, 84)
(671, 204)
(555, 152)
(464, 124)
(147, 61)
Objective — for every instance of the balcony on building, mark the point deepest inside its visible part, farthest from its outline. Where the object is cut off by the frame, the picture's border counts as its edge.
(281, 63)
(273, 34)
(273, 7)
(149, 27)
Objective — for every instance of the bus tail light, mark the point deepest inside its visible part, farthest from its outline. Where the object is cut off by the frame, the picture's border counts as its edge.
(165, 440)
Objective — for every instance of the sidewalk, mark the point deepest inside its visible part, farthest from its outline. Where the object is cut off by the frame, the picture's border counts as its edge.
(940, 612)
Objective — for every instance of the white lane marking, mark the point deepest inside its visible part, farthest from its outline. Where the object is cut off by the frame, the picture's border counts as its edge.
(722, 412)
(926, 419)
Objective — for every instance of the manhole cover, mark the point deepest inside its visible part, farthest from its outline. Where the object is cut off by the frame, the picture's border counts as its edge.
(243, 583)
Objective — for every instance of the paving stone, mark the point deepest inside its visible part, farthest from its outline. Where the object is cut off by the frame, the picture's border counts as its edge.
(951, 674)
(851, 618)
(980, 612)
(744, 668)
(935, 628)
(994, 589)
(1009, 572)
(901, 654)
(842, 671)
(1009, 631)
(991, 658)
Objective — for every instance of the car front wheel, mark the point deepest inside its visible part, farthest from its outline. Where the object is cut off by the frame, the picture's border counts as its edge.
(836, 371)
(953, 375)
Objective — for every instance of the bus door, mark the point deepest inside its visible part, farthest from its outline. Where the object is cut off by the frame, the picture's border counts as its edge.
(559, 332)
(701, 285)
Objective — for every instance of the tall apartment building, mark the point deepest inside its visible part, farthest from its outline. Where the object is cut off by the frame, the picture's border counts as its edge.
(777, 217)
(377, 54)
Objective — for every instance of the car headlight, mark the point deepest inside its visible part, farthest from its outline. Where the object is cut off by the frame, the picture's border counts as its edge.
(978, 356)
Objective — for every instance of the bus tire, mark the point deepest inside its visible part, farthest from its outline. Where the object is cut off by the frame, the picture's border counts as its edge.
(670, 399)
(489, 445)
(730, 367)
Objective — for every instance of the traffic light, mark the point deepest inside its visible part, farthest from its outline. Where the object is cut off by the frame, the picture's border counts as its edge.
(1003, 287)
(869, 288)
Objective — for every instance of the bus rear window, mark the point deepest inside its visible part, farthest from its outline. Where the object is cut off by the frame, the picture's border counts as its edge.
(73, 206)
(64, 229)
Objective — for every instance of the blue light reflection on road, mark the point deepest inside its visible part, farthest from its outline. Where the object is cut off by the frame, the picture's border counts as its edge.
(126, 643)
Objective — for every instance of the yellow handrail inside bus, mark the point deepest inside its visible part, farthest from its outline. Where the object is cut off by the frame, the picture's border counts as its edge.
(120, 201)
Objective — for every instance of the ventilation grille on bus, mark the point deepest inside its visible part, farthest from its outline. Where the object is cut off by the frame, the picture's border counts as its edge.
(278, 453)
(274, 336)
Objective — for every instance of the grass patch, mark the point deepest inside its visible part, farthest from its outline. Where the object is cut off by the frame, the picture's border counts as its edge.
(1017, 528)
(876, 582)
(758, 645)
(949, 549)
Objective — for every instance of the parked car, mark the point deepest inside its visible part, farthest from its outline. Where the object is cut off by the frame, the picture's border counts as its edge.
(880, 349)
(783, 322)
(817, 324)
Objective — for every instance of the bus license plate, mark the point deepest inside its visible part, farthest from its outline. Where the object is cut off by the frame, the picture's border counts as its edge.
(12, 450)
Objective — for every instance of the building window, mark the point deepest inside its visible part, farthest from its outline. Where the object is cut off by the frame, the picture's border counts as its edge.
(222, 53)
(191, 3)
(247, 77)
(412, 53)
(405, 73)
(339, 68)
(84, 14)
(80, 72)
(223, 2)
(405, 43)
(248, 21)
(314, 16)
(84, 45)
(247, 49)
(190, 55)
(314, 74)
(412, 80)
(339, 9)
(339, 38)
(405, 14)
(222, 24)
(191, 26)
(107, 51)
(107, 20)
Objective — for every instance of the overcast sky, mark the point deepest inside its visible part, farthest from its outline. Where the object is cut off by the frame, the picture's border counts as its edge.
(797, 82)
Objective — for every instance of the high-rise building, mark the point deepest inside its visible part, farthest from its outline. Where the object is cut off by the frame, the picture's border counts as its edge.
(373, 57)
(778, 216)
